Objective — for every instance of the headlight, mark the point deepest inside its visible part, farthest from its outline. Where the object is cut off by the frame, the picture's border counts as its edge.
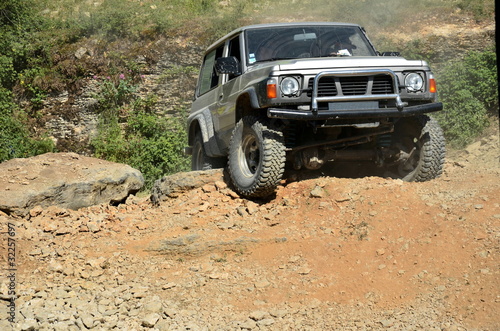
(289, 86)
(414, 82)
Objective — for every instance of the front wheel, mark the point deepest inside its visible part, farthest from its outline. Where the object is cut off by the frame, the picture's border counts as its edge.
(256, 158)
(422, 147)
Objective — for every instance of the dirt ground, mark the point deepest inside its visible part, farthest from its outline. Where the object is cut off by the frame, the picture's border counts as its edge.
(325, 253)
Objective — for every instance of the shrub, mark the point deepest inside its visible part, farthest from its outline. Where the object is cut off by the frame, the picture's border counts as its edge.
(145, 141)
(15, 140)
(150, 144)
(115, 93)
(7, 73)
(468, 90)
(463, 119)
(157, 144)
(13, 12)
(477, 72)
(479, 8)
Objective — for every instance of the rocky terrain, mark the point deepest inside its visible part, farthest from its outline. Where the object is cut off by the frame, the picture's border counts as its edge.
(327, 253)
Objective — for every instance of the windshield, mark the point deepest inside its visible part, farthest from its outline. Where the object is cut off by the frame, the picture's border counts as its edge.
(267, 44)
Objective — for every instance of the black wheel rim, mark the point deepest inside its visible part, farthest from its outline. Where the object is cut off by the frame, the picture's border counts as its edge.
(249, 156)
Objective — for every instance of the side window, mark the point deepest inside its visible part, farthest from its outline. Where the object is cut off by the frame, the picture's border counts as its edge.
(234, 50)
(208, 77)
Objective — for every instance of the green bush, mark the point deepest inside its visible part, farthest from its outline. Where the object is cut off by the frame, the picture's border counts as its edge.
(463, 119)
(115, 93)
(150, 144)
(157, 144)
(14, 12)
(479, 8)
(145, 141)
(15, 140)
(469, 91)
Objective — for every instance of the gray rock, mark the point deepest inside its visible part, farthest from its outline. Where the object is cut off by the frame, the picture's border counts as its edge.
(150, 320)
(266, 322)
(4, 324)
(162, 325)
(67, 180)
(172, 186)
(80, 52)
(28, 324)
(318, 192)
(248, 325)
(258, 315)
(153, 306)
(62, 326)
(88, 321)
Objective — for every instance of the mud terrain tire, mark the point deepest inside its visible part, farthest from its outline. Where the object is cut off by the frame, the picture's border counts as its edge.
(424, 136)
(256, 158)
(200, 160)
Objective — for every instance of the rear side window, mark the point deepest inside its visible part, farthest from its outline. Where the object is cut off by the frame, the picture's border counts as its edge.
(208, 77)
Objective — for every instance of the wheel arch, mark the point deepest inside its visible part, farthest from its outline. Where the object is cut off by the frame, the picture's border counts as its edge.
(202, 122)
(247, 104)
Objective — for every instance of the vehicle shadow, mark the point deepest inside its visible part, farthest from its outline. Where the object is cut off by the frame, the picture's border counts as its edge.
(336, 169)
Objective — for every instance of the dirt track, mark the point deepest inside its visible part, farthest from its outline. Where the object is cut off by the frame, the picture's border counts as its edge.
(327, 253)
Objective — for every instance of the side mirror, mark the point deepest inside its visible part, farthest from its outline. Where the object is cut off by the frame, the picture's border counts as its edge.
(391, 54)
(227, 65)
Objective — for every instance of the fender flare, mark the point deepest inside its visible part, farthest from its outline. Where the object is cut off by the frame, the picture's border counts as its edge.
(252, 96)
(203, 120)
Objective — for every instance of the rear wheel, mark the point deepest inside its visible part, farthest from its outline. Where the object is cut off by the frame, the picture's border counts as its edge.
(256, 157)
(422, 147)
(200, 160)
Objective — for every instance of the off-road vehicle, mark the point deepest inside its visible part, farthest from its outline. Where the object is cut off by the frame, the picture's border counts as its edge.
(304, 94)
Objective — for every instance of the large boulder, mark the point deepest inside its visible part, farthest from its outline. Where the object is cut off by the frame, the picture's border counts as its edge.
(66, 180)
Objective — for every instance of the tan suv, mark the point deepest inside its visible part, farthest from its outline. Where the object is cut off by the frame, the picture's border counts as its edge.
(304, 94)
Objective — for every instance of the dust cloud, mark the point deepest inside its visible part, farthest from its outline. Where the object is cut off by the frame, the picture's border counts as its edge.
(374, 15)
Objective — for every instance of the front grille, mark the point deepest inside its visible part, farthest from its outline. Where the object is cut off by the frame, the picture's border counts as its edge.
(326, 87)
(382, 84)
(354, 85)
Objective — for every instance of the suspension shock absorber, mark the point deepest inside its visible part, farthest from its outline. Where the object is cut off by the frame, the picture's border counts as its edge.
(384, 141)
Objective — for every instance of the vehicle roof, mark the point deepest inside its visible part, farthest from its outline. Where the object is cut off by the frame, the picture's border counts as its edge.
(278, 25)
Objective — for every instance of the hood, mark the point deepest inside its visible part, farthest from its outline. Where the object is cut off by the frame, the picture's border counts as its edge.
(349, 62)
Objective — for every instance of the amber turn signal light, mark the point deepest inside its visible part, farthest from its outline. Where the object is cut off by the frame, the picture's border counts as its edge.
(432, 85)
(271, 89)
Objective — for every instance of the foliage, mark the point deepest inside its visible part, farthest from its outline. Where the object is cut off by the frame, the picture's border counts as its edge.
(479, 8)
(477, 73)
(18, 25)
(145, 141)
(7, 73)
(13, 12)
(469, 91)
(176, 71)
(15, 140)
(115, 93)
(157, 144)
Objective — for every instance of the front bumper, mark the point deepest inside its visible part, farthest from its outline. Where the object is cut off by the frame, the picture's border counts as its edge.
(307, 115)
